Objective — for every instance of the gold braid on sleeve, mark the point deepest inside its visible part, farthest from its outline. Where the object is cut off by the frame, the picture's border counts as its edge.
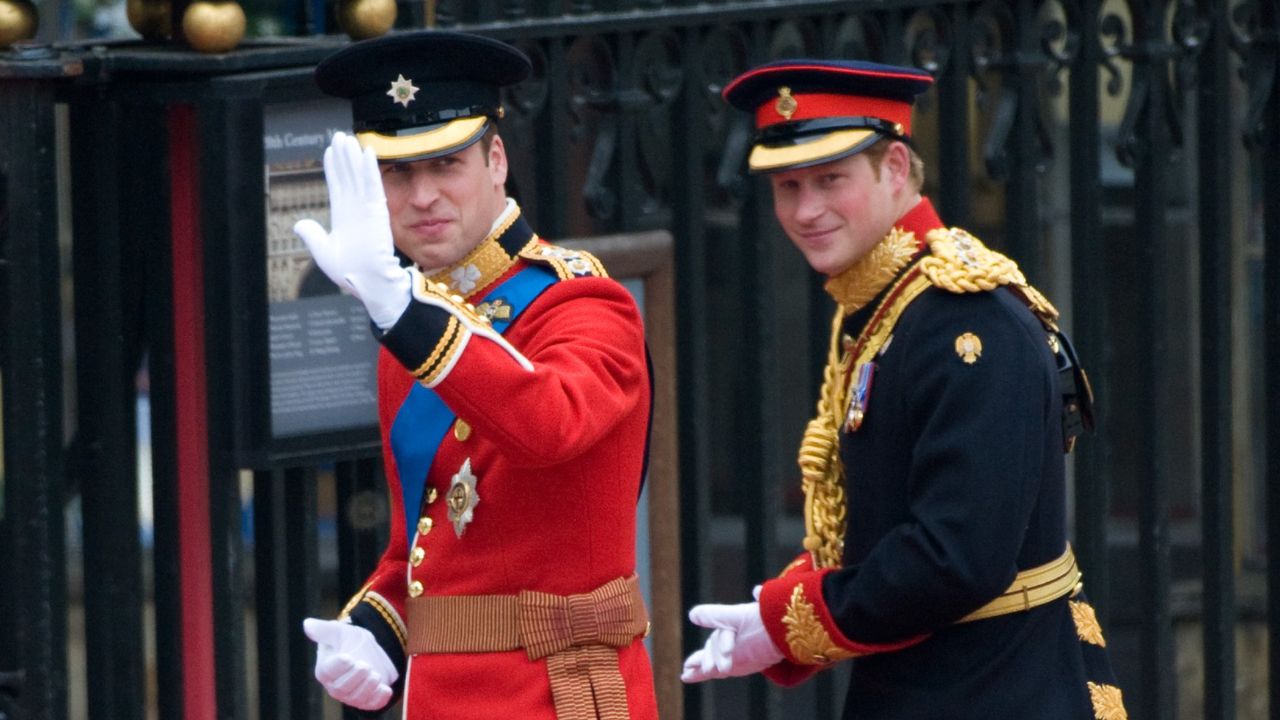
(822, 476)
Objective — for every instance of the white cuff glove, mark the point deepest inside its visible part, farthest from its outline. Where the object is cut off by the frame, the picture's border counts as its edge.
(739, 643)
(350, 664)
(358, 253)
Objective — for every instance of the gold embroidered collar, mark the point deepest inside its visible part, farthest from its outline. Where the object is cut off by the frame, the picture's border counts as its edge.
(491, 259)
(855, 287)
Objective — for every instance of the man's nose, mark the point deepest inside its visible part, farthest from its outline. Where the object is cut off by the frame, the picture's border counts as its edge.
(808, 205)
(423, 190)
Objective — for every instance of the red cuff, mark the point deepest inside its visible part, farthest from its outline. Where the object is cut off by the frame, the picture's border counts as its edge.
(796, 615)
(802, 563)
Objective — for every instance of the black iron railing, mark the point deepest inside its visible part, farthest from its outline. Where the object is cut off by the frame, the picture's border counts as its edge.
(1122, 152)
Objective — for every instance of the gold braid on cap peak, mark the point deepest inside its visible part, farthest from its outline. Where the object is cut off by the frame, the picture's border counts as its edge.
(822, 475)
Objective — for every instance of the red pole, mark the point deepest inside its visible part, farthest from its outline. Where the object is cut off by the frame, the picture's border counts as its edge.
(194, 543)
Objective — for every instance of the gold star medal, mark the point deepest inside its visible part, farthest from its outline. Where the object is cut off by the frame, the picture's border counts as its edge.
(402, 90)
(969, 348)
(462, 498)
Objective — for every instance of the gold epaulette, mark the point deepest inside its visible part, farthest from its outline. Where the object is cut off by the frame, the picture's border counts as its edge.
(566, 262)
(958, 262)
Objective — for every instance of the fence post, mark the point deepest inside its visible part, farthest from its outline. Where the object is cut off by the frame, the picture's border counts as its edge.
(33, 612)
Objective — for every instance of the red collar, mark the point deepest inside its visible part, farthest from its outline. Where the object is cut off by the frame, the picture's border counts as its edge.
(919, 220)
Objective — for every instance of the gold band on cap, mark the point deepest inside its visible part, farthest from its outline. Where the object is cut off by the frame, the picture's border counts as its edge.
(765, 159)
(451, 136)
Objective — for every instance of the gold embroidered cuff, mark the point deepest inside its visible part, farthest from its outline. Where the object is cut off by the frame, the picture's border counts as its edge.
(807, 638)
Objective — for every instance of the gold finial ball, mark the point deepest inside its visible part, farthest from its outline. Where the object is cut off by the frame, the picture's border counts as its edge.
(363, 19)
(213, 26)
(18, 21)
(150, 18)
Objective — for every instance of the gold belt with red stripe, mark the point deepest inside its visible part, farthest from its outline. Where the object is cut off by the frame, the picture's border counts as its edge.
(577, 634)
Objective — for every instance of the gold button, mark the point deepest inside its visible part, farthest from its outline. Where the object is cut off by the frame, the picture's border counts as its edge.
(431, 495)
(416, 556)
(461, 430)
(424, 525)
(415, 589)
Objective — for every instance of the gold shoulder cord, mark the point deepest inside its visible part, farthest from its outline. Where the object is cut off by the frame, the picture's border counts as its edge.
(958, 263)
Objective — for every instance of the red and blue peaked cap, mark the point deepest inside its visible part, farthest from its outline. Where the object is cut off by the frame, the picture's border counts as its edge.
(809, 112)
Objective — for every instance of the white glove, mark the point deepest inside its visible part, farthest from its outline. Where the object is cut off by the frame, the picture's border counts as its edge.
(350, 664)
(738, 645)
(358, 254)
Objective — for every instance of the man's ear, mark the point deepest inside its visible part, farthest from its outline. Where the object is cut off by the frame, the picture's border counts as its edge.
(897, 163)
(498, 162)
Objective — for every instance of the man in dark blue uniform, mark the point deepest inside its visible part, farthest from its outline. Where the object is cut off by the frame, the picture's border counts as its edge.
(936, 556)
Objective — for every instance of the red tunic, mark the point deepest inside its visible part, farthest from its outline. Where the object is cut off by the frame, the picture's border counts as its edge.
(558, 454)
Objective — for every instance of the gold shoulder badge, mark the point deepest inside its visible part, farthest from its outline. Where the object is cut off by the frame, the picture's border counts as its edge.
(786, 105)
(969, 348)
(402, 90)
(1108, 702)
(808, 640)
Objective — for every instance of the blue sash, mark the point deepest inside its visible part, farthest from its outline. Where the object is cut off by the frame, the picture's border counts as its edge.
(423, 418)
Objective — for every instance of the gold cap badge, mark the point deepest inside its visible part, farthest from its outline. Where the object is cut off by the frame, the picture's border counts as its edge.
(969, 348)
(786, 105)
(402, 90)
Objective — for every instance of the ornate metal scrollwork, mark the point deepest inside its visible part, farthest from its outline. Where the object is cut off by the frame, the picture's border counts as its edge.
(793, 38)
(1112, 32)
(1150, 51)
(724, 56)
(861, 37)
(1060, 41)
(593, 107)
(929, 39)
(1255, 38)
(658, 76)
(528, 99)
(998, 62)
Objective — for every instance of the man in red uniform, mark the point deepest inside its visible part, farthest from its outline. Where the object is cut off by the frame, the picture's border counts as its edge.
(514, 403)
(949, 398)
